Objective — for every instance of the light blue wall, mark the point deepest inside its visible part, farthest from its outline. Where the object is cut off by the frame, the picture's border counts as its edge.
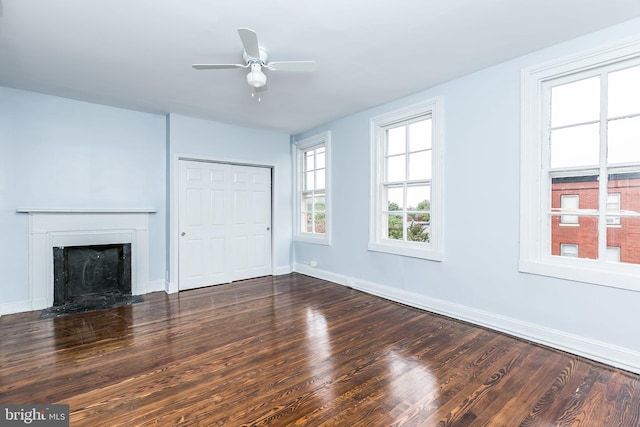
(57, 152)
(481, 212)
(224, 142)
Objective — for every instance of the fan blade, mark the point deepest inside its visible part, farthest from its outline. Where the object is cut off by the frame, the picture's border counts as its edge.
(301, 66)
(217, 66)
(250, 42)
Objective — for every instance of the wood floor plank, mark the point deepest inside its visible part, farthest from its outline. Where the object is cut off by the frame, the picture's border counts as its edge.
(294, 350)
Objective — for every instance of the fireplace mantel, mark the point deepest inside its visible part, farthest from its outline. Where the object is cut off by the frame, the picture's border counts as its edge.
(55, 227)
(85, 210)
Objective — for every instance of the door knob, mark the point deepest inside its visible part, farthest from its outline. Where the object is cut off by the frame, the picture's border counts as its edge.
(183, 233)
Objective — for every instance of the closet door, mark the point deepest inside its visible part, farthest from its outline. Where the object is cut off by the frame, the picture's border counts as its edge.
(224, 223)
(251, 221)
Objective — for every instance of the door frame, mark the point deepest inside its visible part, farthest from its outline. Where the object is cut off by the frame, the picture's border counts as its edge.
(173, 209)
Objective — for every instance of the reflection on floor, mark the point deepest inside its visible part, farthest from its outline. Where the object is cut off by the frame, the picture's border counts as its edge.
(91, 302)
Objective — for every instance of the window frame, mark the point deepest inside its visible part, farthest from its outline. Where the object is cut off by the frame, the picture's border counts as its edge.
(378, 126)
(534, 257)
(300, 148)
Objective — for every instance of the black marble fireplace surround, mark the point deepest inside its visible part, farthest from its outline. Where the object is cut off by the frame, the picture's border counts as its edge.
(90, 278)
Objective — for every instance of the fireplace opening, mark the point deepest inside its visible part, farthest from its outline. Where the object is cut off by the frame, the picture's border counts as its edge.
(90, 278)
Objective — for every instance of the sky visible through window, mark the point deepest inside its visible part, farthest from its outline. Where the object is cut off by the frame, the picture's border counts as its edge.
(575, 120)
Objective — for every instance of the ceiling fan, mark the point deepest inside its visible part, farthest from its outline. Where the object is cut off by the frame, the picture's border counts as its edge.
(256, 59)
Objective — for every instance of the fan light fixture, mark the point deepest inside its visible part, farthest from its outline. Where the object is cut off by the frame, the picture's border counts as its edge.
(256, 77)
(255, 58)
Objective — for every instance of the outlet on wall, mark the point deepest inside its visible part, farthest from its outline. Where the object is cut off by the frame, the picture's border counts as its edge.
(313, 264)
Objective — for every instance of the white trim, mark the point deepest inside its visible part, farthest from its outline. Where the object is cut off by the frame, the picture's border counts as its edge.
(51, 229)
(15, 307)
(617, 356)
(172, 284)
(534, 258)
(282, 270)
(86, 210)
(298, 148)
(435, 249)
(156, 286)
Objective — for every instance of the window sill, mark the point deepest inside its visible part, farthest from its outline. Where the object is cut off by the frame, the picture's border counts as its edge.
(614, 275)
(406, 250)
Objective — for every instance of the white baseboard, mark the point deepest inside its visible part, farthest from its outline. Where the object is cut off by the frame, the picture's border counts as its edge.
(156, 286)
(15, 307)
(620, 357)
(282, 270)
(171, 287)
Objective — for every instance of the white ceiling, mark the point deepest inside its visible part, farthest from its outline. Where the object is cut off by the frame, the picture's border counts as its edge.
(137, 54)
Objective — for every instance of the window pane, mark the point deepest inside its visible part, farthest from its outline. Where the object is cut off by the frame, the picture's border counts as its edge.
(309, 183)
(309, 160)
(320, 222)
(420, 135)
(320, 158)
(417, 231)
(624, 92)
(307, 202)
(394, 226)
(307, 225)
(396, 168)
(624, 141)
(420, 165)
(575, 146)
(319, 204)
(396, 140)
(418, 198)
(576, 102)
(625, 237)
(583, 189)
(320, 179)
(585, 237)
(395, 198)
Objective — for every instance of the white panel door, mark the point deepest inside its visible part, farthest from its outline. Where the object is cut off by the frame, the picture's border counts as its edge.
(251, 198)
(224, 223)
(204, 243)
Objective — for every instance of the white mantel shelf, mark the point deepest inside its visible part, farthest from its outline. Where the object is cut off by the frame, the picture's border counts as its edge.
(85, 210)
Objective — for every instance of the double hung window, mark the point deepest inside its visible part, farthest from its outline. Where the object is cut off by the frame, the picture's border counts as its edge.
(312, 214)
(406, 182)
(581, 168)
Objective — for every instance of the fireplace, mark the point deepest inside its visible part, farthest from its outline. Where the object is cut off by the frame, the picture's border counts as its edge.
(114, 232)
(90, 272)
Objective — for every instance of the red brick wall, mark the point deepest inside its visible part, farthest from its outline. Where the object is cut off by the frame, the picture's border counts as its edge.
(585, 235)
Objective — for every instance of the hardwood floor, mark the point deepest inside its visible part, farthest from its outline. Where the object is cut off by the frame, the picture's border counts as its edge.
(294, 350)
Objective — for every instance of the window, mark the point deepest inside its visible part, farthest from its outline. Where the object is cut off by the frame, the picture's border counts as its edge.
(613, 205)
(406, 182)
(613, 253)
(569, 202)
(312, 170)
(580, 165)
(569, 249)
